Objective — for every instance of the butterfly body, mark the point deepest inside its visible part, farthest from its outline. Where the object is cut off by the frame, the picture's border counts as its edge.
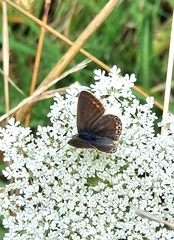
(95, 130)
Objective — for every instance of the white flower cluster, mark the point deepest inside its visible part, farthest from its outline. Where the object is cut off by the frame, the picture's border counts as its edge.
(60, 192)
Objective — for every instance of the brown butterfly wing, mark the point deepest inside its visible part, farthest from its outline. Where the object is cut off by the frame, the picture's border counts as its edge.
(89, 109)
(109, 126)
(80, 143)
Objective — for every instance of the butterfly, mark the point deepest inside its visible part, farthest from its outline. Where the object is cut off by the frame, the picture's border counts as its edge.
(95, 129)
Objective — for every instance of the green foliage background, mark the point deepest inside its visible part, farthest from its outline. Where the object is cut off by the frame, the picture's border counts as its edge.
(135, 37)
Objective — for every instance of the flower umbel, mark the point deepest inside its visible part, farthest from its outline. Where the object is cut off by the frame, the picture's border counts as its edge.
(61, 192)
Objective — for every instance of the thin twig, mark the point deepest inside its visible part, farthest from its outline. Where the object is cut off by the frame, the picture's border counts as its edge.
(39, 91)
(152, 217)
(169, 72)
(5, 52)
(38, 54)
(11, 82)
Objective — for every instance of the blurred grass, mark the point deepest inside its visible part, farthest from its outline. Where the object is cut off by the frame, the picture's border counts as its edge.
(135, 37)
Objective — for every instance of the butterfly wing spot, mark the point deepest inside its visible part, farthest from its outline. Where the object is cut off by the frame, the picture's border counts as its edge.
(118, 127)
(113, 150)
(95, 103)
